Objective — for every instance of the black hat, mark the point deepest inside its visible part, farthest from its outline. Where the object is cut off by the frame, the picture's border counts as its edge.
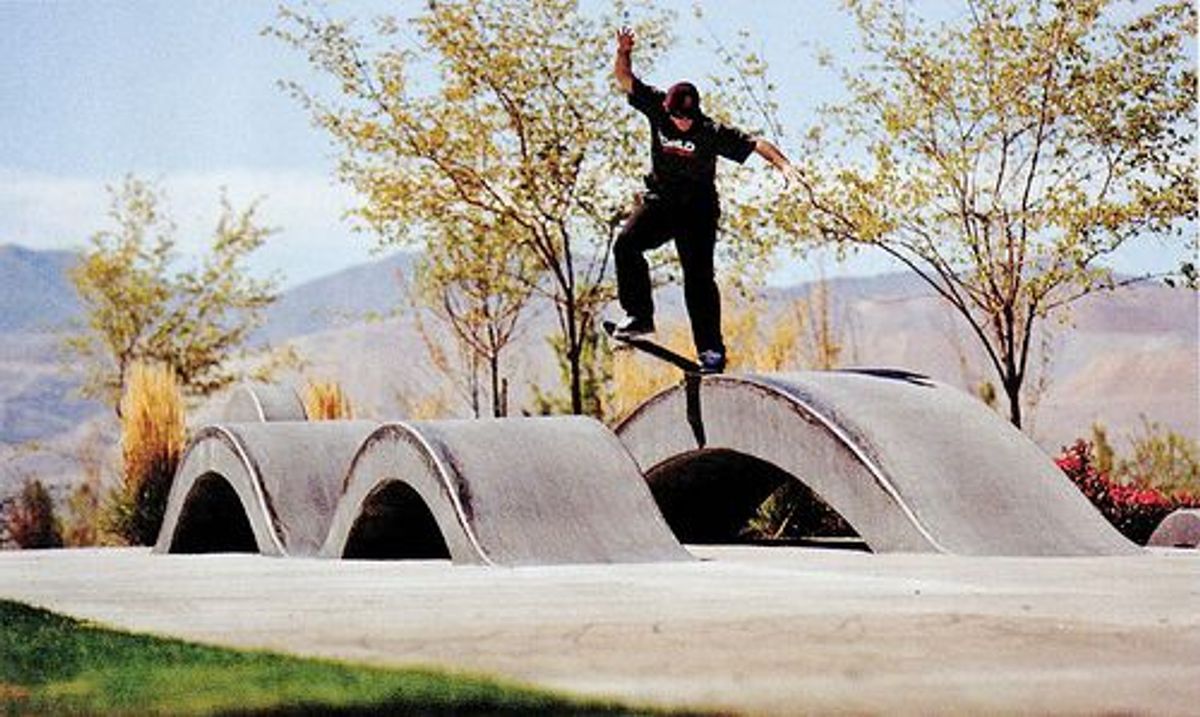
(683, 100)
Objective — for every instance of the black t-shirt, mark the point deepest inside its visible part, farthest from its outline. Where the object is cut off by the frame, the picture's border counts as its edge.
(685, 163)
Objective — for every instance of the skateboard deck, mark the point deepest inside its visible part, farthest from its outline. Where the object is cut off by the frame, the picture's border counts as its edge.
(656, 350)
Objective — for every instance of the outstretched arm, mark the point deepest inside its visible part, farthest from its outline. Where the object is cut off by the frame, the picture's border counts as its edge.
(772, 154)
(623, 67)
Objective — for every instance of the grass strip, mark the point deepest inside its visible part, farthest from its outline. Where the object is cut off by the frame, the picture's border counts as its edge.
(53, 664)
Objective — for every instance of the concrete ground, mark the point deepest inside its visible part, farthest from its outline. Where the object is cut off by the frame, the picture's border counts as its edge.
(754, 630)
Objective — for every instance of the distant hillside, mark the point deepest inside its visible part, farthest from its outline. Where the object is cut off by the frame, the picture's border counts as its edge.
(35, 293)
(337, 300)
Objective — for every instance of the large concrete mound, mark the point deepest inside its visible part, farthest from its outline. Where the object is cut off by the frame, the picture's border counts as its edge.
(911, 464)
(270, 488)
(504, 491)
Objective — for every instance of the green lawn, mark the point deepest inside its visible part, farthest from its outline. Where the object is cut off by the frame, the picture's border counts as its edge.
(55, 664)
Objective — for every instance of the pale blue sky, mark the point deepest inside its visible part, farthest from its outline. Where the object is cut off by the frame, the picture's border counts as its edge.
(183, 91)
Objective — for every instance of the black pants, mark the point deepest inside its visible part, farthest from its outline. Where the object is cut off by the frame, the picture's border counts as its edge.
(693, 226)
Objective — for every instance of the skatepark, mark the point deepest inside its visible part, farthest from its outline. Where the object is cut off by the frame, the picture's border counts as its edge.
(566, 554)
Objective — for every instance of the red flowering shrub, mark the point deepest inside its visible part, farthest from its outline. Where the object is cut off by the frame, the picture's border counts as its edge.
(1134, 508)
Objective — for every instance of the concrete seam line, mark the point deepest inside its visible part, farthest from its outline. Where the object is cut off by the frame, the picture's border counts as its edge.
(444, 476)
(262, 413)
(255, 482)
(842, 436)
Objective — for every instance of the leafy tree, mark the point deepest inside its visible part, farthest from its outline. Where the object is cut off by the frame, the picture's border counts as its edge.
(1003, 157)
(493, 115)
(138, 308)
(1158, 457)
(595, 379)
(477, 285)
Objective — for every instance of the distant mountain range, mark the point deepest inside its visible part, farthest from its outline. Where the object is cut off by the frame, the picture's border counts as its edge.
(35, 294)
(1126, 355)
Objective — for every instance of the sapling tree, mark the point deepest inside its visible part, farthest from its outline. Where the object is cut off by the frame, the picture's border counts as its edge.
(139, 305)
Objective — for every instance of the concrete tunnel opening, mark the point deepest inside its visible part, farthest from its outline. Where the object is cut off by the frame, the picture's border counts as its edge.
(395, 524)
(725, 497)
(213, 520)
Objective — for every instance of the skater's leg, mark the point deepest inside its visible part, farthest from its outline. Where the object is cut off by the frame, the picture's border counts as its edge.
(696, 245)
(645, 229)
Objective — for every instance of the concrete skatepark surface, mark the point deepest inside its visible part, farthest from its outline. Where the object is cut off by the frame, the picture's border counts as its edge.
(771, 630)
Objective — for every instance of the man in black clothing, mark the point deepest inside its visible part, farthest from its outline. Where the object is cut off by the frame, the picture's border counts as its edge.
(680, 203)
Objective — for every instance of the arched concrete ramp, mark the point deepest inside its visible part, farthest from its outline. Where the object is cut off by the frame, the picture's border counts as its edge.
(517, 491)
(265, 487)
(911, 464)
(1180, 529)
(261, 402)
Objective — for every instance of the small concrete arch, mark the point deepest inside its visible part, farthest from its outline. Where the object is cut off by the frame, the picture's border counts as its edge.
(215, 521)
(513, 491)
(913, 465)
(286, 476)
(710, 495)
(394, 523)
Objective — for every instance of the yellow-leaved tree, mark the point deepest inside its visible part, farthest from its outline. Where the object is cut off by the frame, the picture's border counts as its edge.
(491, 116)
(1004, 155)
(139, 306)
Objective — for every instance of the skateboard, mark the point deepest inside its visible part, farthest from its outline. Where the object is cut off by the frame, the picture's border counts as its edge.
(692, 376)
(658, 351)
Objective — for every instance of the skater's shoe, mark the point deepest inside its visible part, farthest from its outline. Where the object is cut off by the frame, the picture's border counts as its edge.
(712, 361)
(634, 328)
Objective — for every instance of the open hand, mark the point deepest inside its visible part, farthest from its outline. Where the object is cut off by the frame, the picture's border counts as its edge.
(625, 39)
(792, 176)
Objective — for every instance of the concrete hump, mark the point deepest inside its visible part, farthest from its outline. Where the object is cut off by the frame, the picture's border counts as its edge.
(270, 488)
(262, 402)
(514, 491)
(1180, 529)
(912, 464)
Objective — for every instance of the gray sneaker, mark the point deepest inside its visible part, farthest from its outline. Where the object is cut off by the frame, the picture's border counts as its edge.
(712, 361)
(634, 328)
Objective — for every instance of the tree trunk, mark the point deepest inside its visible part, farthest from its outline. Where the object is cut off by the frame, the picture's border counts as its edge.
(1012, 387)
(574, 349)
(474, 384)
(494, 365)
(573, 364)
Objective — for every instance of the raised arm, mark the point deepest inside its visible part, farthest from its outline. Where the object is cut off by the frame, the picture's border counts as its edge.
(623, 67)
(772, 154)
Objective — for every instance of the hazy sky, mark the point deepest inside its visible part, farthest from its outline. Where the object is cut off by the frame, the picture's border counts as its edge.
(184, 92)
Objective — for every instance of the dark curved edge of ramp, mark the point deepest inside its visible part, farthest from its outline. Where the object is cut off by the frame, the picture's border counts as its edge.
(270, 487)
(263, 402)
(1180, 529)
(515, 491)
(911, 464)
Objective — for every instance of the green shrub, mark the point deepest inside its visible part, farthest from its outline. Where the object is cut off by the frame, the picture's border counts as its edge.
(794, 512)
(31, 521)
(1135, 509)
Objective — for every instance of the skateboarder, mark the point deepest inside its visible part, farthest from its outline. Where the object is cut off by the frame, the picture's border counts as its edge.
(680, 203)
